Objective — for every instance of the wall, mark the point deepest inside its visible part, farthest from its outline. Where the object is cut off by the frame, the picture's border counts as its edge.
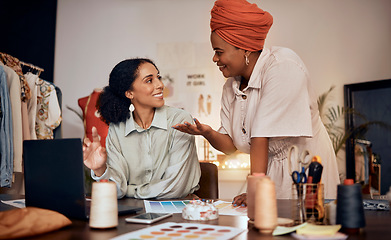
(340, 41)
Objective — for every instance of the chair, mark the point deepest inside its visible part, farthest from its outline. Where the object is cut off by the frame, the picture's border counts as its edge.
(209, 187)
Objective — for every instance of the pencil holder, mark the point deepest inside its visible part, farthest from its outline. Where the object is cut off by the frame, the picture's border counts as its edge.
(308, 203)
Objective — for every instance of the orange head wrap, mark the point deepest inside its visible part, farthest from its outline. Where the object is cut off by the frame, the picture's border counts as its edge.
(241, 23)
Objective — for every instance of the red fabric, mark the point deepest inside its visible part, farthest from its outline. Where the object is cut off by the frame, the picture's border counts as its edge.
(92, 118)
(240, 23)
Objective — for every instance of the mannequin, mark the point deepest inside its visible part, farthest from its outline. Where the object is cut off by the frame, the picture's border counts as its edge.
(92, 117)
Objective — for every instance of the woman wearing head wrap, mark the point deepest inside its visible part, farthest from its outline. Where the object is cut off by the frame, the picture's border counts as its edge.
(268, 103)
(144, 156)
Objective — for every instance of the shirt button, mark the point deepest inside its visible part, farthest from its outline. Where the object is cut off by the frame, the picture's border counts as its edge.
(244, 97)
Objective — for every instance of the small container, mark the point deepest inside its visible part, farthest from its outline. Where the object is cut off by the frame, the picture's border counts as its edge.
(200, 210)
(308, 203)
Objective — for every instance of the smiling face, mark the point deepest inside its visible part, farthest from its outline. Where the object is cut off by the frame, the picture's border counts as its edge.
(147, 88)
(229, 59)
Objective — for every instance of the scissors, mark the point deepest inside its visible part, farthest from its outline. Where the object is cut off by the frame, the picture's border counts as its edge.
(299, 177)
(293, 155)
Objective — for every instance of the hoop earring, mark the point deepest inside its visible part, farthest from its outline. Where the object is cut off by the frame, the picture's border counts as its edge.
(246, 60)
(131, 107)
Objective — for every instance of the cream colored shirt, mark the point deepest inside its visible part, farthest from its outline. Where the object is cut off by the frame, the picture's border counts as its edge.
(279, 104)
(158, 162)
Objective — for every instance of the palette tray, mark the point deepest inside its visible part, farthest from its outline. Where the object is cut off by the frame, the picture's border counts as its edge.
(176, 231)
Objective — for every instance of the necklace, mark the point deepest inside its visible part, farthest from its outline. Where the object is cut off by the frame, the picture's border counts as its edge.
(140, 122)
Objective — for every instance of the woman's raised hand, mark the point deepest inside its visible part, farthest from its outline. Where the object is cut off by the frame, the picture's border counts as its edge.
(94, 155)
(194, 129)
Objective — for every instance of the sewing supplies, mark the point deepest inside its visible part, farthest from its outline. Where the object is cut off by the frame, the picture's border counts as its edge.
(314, 201)
(294, 156)
(350, 209)
(265, 217)
(299, 177)
(331, 212)
(315, 169)
(104, 205)
(251, 188)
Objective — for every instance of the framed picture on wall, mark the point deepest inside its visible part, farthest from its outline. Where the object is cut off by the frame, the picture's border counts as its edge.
(368, 150)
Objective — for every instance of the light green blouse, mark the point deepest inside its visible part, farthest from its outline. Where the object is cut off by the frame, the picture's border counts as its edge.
(158, 162)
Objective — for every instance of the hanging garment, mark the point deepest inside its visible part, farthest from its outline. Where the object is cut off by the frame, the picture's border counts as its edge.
(48, 110)
(32, 103)
(359, 152)
(43, 109)
(57, 132)
(13, 83)
(6, 136)
(14, 63)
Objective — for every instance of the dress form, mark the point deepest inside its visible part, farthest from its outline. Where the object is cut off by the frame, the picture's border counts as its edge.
(91, 116)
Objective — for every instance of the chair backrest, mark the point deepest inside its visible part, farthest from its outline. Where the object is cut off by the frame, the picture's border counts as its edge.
(209, 182)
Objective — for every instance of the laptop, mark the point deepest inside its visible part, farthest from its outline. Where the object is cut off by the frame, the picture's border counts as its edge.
(54, 177)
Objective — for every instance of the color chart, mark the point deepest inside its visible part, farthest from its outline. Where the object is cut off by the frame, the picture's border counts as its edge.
(225, 208)
(176, 231)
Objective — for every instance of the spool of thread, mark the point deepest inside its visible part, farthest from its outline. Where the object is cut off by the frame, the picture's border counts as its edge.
(104, 206)
(251, 187)
(332, 212)
(350, 209)
(265, 217)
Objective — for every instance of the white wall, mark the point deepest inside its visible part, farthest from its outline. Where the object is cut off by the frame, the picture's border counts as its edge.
(341, 41)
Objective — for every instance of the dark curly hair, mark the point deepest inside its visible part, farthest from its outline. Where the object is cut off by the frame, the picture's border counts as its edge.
(112, 103)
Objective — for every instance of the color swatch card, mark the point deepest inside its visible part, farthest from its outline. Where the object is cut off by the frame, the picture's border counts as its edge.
(176, 231)
(225, 208)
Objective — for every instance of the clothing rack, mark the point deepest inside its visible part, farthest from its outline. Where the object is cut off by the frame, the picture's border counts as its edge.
(39, 70)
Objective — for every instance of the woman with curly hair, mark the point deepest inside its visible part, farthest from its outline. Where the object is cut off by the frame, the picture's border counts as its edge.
(144, 155)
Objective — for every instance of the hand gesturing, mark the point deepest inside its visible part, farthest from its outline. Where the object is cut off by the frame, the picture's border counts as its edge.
(193, 129)
(94, 155)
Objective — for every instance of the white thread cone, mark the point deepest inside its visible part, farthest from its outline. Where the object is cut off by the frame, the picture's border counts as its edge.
(265, 219)
(104, 206)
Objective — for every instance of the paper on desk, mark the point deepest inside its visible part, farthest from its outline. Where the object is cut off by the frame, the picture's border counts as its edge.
(172, 230)
(280, 230)
(19, 203)
(318, 230)
(225, 208)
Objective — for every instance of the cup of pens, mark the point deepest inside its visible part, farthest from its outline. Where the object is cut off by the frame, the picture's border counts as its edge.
(308, 203)
(308, 192)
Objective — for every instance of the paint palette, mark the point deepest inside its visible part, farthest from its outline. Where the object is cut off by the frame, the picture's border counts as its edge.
(176, 231)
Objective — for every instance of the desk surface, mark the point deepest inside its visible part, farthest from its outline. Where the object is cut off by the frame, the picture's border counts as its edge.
(378, 225)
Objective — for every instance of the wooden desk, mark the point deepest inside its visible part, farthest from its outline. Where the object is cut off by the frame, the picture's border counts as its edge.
(378, 225)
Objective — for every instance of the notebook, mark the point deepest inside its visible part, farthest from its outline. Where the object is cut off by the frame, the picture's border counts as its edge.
(54, 177)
